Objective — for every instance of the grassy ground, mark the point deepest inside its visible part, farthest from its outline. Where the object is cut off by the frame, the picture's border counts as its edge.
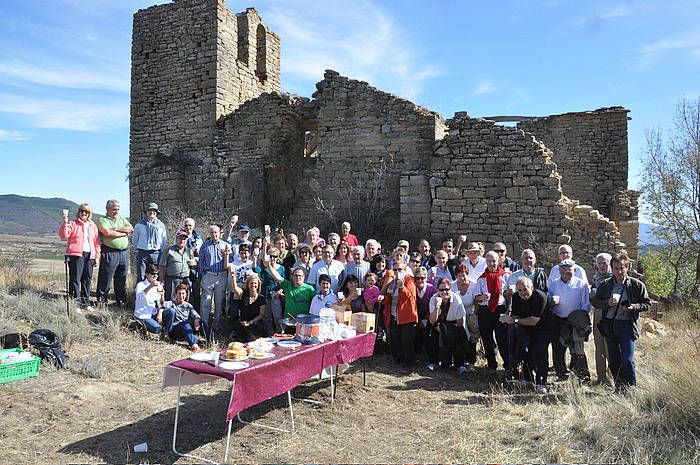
(109, 399)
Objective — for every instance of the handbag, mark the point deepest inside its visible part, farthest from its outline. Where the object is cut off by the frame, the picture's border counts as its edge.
(605, 326)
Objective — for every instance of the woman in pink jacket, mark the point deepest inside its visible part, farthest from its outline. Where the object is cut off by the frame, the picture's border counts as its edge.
(82, 253)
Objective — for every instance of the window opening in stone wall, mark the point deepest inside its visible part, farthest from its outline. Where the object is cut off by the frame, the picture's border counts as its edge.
(311, 143)
(242, 38)
(261, 56)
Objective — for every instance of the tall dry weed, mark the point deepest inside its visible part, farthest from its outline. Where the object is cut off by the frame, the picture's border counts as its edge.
(658, 422)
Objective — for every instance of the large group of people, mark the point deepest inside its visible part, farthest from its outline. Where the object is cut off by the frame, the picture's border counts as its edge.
(435, 306)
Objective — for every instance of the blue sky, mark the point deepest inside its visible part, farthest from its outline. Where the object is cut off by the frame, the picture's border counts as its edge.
(65, 65)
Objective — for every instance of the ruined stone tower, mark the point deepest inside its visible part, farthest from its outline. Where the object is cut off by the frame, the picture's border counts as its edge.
(193, 61)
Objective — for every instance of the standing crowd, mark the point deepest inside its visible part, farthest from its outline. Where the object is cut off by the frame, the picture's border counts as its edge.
(438, 305)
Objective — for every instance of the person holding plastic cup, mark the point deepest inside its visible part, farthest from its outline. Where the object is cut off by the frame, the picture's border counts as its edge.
(570, 304)
(82, 252)
(491, 304)
(622, 298)
(150, 296)
(602, 273)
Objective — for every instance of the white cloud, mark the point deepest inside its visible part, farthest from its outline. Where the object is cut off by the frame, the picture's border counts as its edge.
(360, 41)
(11, 136)
(688, 43)
(76, 115)
(65, 75)
(601, 15)
(484, 86)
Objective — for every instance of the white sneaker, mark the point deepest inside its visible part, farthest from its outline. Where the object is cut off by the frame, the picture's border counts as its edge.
(431, 366)
(470, 367)
(540, 389)
(78, 310)
(461, 370)
(89, 309)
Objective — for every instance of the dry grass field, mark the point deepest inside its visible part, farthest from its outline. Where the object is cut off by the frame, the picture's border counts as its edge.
(108, 399)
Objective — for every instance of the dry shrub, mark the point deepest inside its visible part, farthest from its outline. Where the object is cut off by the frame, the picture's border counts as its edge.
(90, 367)
(658, 422)
(16, 270)
(30, 310)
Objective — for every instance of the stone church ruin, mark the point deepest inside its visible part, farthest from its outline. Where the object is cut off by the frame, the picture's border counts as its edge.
(211, 131)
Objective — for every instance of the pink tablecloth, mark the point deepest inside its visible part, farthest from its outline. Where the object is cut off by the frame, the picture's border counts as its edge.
(265, 379)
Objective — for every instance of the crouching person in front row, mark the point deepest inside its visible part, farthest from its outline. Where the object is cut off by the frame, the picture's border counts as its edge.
(181, 320)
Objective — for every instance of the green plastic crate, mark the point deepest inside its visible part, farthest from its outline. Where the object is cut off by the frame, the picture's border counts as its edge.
(14, 371)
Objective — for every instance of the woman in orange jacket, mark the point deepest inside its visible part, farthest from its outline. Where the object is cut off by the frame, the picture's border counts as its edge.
(401, 313)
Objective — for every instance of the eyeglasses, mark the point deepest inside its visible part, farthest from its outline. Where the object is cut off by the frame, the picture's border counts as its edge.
(153, 274)
(83, 211)
(415, 261)
(419, 277)
(274, 257)
(500, 251)
(444, 289)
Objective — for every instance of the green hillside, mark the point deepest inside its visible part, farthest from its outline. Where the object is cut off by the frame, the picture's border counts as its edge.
(32, 215)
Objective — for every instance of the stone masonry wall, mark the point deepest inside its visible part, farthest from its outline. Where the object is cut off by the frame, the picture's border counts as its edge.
(260, 151)
(496, 183)
(590, 150)
(368, 140)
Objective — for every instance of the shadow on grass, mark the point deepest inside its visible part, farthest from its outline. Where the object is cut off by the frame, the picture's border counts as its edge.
(202, 421)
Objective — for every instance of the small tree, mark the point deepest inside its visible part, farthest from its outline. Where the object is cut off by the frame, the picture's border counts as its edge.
(670, 184)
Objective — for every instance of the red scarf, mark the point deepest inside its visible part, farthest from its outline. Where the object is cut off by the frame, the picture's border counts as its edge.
(493, 284)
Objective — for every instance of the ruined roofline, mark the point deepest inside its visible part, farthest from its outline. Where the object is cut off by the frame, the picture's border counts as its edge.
(517, 119)
(330, 75)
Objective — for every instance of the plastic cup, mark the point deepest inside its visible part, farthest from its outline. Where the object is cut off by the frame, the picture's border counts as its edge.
(341, 295)
(65, 212)
(215, 358)
(359, 291)
(555, 299)
(616, 297)
(511, 287)
(488, 295)
(143, 447)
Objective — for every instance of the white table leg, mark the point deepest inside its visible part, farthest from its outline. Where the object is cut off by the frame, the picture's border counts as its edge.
(177, 417)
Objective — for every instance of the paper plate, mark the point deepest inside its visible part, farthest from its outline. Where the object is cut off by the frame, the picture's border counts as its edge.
(263, 356)
(271, 340)
(289, 344)
(233, 365)
(201, 357)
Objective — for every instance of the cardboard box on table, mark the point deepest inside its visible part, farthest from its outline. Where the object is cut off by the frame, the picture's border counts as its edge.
(363, 322)
(342, 315)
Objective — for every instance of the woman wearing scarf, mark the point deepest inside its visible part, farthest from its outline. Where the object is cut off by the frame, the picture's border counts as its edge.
(491, 304)
(447, 314)
(425, 339)
(82, 251)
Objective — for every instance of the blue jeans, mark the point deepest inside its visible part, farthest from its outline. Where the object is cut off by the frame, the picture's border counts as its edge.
(152, 325)
(621, 354)
(184, 329)
(114, 264)
(143, 258)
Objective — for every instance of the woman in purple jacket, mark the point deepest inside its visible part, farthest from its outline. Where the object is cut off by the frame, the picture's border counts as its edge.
(82, 253)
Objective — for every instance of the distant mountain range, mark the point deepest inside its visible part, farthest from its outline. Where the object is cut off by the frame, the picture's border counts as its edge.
(32, 215)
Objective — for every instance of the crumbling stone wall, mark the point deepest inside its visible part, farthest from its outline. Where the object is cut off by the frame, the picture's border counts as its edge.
(590, 150)
(496, 183)
(365, 134)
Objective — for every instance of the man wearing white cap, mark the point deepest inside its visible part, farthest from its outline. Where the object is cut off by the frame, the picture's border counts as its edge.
(567, 253)
(569, 300)
(475, 263)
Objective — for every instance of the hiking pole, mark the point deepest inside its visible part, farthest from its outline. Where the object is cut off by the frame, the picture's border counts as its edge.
(65, 262)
